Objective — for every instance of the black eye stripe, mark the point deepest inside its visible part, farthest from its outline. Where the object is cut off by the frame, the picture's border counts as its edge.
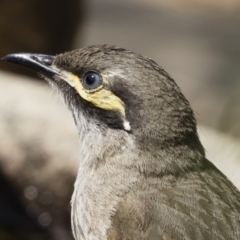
(91, 80)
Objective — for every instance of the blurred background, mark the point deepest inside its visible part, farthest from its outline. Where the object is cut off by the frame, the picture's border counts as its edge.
(197, 42)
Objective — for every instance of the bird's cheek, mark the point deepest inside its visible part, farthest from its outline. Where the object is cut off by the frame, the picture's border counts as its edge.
(104, 99)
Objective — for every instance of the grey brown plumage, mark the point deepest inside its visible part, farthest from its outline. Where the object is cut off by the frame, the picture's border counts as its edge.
(143, 172)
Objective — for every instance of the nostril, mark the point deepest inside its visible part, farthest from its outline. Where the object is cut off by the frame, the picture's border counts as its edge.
(47, 60)
(43, 59)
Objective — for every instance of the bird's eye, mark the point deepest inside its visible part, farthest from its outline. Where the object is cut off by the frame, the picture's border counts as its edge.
(91, 80)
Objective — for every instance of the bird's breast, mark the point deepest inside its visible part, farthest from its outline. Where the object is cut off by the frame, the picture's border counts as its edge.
(96, 196)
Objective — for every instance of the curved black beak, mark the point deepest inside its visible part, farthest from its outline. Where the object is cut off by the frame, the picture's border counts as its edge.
(39, 62)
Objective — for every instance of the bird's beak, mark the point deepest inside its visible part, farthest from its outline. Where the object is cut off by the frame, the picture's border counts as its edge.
(38, 62)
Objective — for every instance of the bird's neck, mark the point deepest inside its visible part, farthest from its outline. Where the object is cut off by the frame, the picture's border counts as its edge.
(110, 168)
(171, 156)
(110, 165)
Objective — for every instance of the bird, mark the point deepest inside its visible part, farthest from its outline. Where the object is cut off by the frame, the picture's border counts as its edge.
(143, 172)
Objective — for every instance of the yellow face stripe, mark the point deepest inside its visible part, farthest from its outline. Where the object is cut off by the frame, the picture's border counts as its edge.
(99, 97)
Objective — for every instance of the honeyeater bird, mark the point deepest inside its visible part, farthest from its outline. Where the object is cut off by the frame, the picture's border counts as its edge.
(143, 172)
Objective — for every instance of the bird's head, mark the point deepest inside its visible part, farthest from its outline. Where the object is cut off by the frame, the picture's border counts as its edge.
(117, 89)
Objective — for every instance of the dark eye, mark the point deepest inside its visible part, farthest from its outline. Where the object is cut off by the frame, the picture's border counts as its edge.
(91, 80)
